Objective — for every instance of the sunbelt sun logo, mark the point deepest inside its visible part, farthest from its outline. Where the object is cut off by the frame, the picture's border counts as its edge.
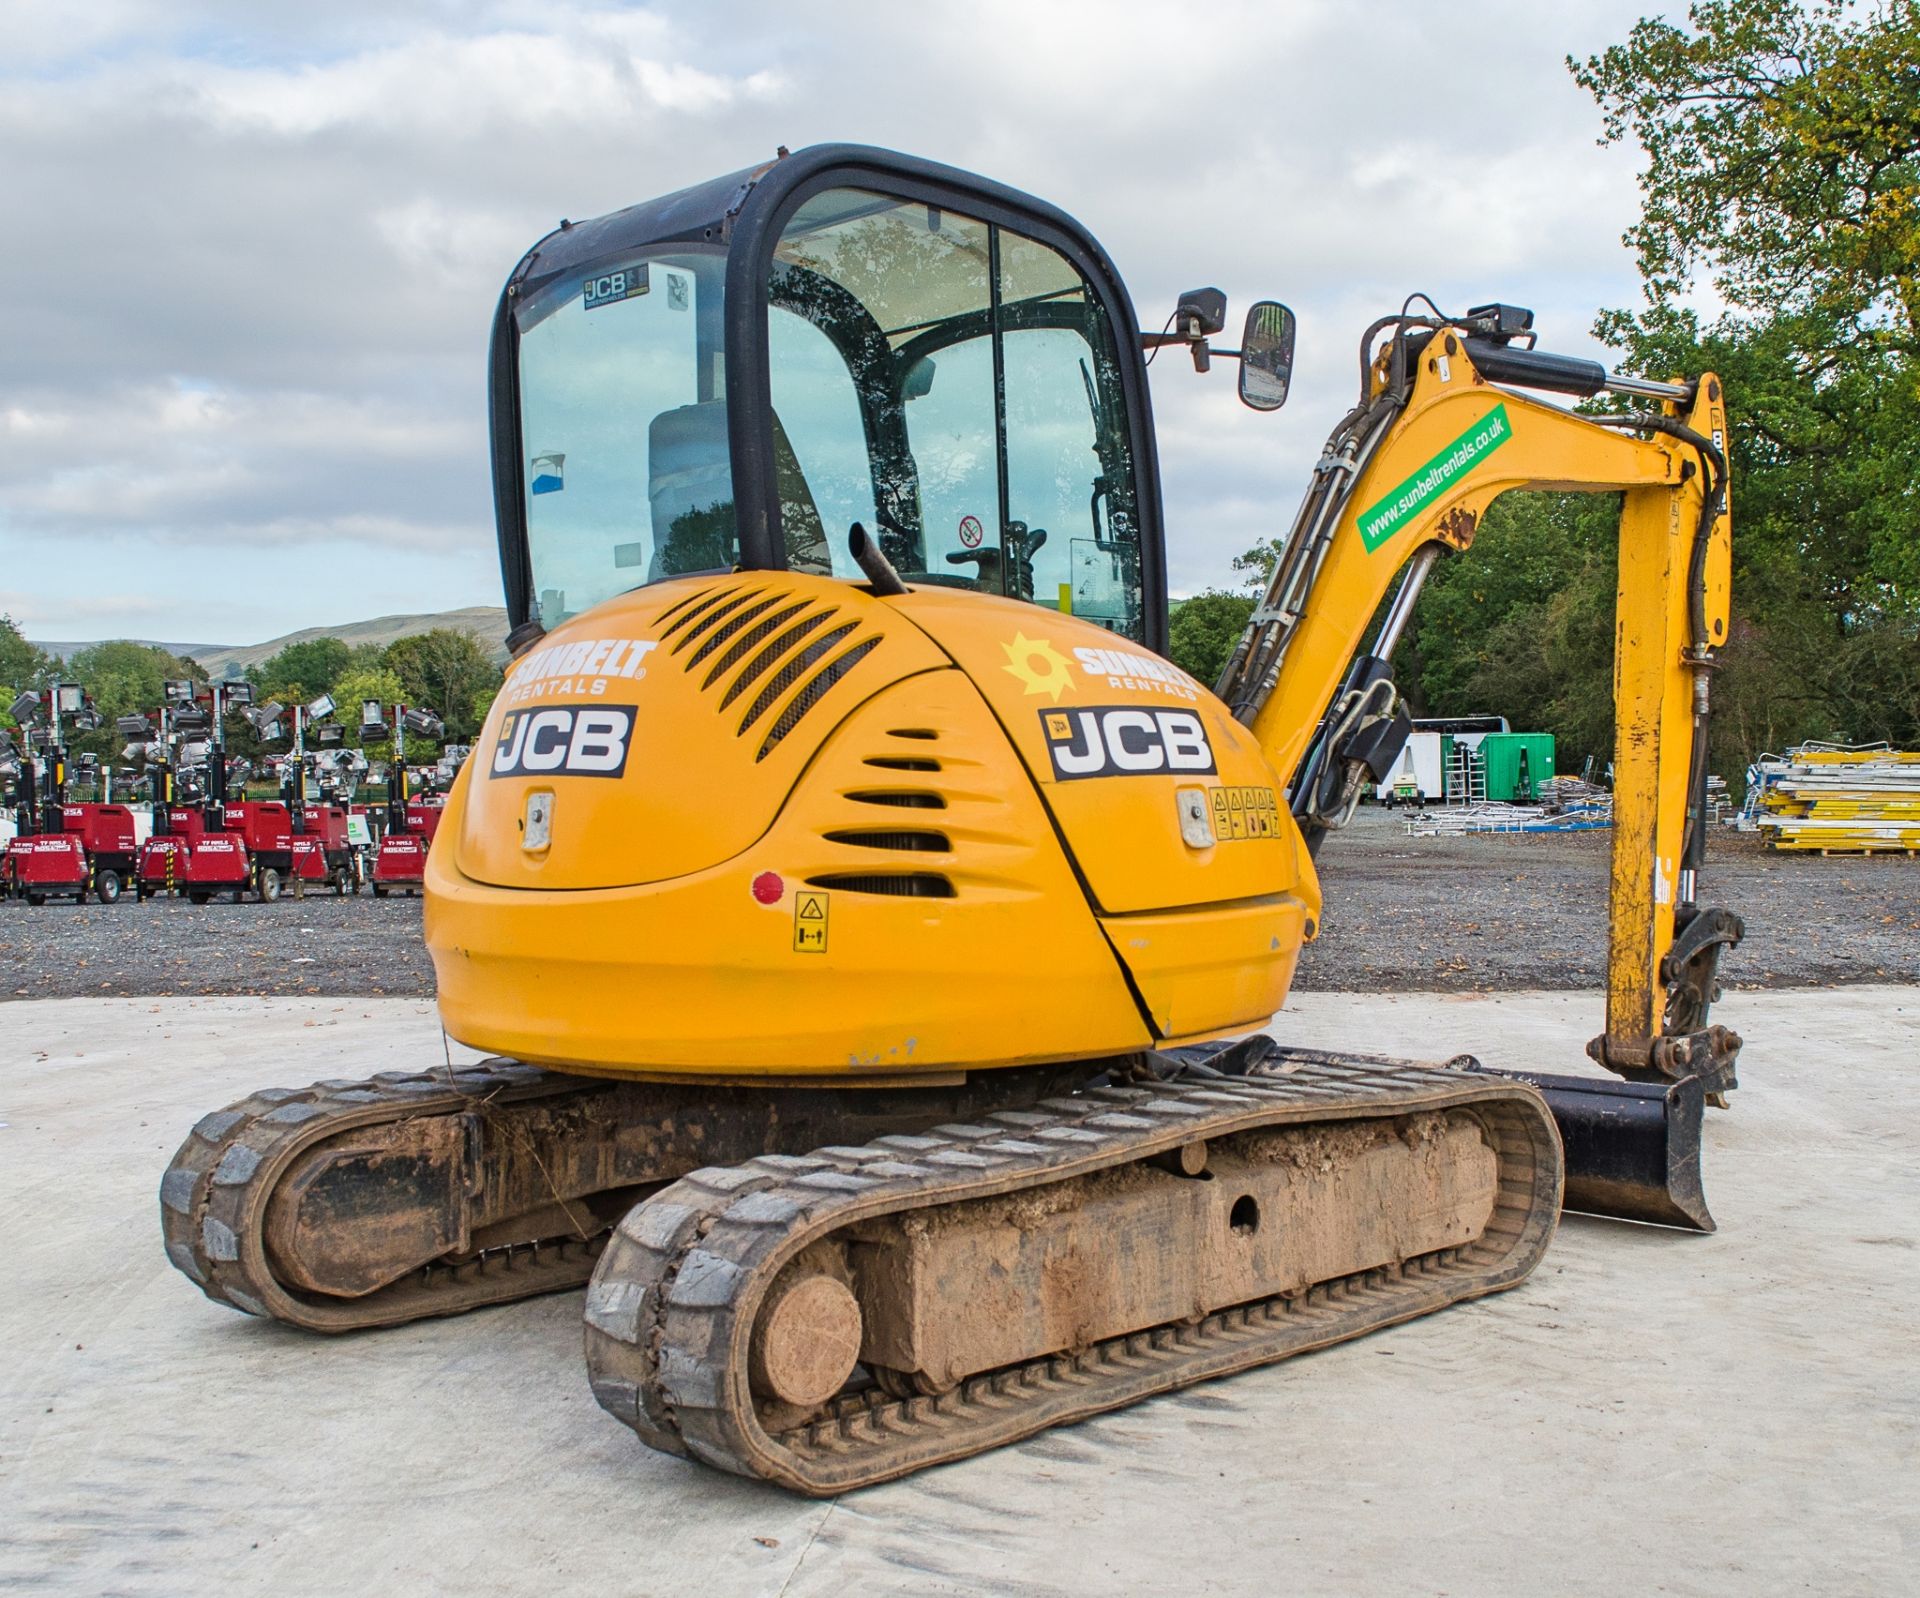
(1403, 502)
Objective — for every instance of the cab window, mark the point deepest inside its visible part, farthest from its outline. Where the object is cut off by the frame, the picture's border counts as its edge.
(625, 471)
(953, 386)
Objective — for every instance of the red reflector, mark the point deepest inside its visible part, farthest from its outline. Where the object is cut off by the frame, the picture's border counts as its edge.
(767, 887)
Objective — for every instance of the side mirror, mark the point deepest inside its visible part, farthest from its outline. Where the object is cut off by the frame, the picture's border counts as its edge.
(1266, 356)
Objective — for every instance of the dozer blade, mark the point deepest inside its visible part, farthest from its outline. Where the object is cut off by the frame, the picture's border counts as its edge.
(1632, 1148)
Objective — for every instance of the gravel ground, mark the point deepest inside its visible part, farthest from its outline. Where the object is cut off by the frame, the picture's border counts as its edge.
(1494, 912)
(1500, 911)
(316, 945)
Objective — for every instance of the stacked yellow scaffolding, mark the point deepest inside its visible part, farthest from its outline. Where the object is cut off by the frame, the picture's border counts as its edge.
(1839, 801)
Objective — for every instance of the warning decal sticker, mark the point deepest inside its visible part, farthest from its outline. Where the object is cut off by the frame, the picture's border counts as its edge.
(810, 921)
(1245, 813)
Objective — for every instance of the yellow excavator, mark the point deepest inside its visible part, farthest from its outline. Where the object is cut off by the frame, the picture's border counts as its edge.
(872, 929)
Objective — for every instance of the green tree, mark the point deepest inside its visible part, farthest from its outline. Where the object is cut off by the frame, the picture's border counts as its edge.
(21, 667)
(1204, 630)
(483, 704)
(1521, 625)
(122, 678)
(376, 682)
(303, 670)
(1782, 147)
(443, 670)
(1783, 159)
(1256, 566)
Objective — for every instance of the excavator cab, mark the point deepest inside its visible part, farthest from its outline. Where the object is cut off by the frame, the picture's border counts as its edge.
(732, 377)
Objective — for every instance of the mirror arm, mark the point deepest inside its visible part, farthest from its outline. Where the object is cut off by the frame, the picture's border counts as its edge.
(1203, 352)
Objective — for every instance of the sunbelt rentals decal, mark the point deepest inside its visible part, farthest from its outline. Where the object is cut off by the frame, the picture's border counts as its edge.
(585, 667)
(1401, 503)
(1042, 669)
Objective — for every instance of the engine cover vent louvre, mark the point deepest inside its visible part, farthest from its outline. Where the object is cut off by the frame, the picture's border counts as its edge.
(691, 599)
(740, 687)
(901, 763)
(911, 732)
(904, 840)
(811, 693)
(904, 798)
(727, 628)
(716, 604)
(898, 885)
(773, 652)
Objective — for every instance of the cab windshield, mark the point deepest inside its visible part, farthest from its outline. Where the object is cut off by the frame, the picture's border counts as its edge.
(954, 387)
(948, 383)
(623, 425)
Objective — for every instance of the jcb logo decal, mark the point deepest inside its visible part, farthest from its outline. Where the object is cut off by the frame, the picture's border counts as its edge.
(564, 740)
(1125, 741)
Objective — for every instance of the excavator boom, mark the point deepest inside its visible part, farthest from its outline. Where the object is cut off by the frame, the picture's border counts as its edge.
(1440, 432)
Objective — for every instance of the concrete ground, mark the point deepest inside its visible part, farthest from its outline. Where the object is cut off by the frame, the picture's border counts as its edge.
(1651, 1413)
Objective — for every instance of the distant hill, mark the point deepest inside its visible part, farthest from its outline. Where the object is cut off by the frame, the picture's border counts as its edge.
(487, 624)
(66, 651)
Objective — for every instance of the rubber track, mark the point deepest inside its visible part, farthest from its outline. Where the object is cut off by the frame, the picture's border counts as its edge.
(671, 1309)
(213, 1197)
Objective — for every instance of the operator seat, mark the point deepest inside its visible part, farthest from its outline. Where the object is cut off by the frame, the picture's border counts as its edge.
(690, 492)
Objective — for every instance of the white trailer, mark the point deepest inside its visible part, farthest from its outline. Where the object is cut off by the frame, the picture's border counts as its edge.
(1416, 777)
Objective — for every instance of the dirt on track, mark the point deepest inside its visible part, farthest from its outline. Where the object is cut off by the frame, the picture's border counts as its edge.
(1479, 913)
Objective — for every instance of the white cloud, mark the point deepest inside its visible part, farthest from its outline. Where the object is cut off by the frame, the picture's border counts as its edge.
(590, 73)
(116, 610)
(252, 263)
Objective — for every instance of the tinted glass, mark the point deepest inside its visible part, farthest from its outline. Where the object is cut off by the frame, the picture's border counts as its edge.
(623, 425)
(953, 386)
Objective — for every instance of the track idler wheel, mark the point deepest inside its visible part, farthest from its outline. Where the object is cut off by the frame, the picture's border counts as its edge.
(806, 1340)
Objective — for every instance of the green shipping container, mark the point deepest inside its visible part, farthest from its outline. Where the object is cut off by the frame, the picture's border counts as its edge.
(1516, 764)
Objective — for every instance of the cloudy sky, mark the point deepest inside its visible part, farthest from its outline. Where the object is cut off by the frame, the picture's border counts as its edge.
(249, 265)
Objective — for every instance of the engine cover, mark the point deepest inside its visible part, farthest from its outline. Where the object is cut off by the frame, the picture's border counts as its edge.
(668, 726)
(772, 824)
